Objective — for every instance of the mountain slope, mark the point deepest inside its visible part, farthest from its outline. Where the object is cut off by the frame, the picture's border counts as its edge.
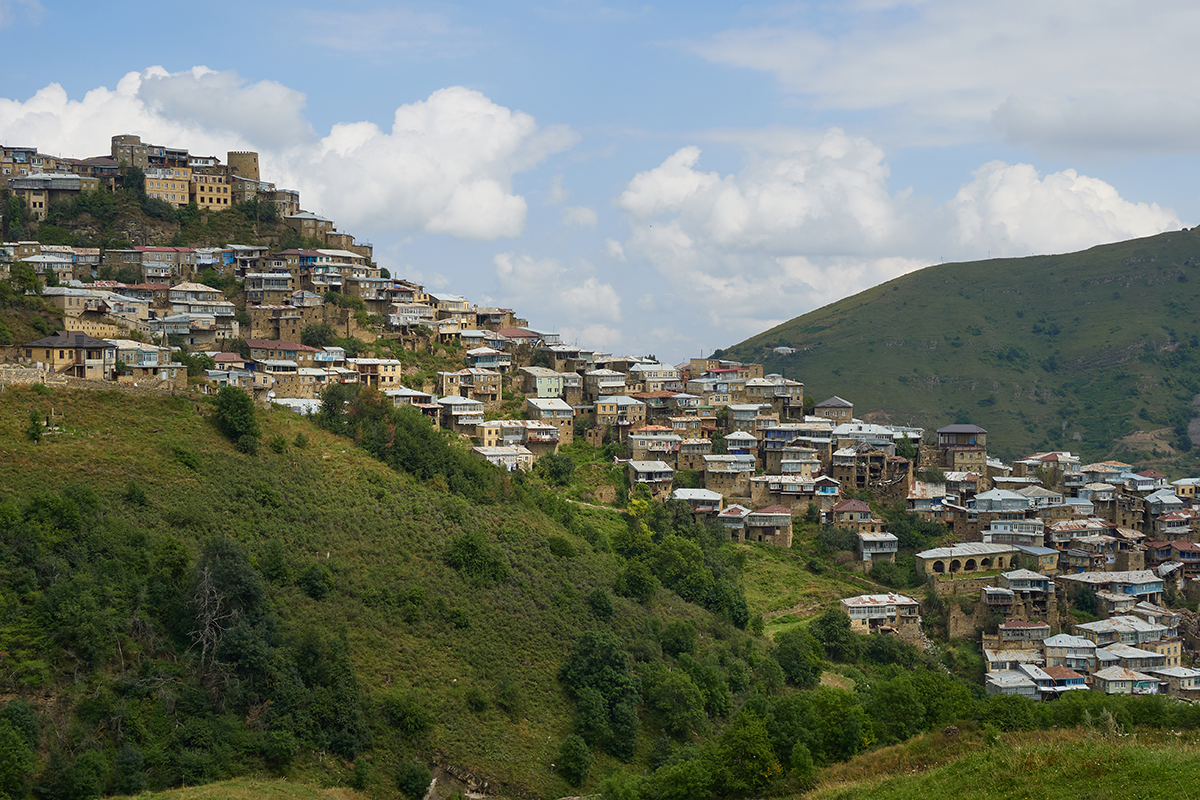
(1069, 351)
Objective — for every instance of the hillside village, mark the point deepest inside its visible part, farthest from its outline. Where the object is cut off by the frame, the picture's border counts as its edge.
(1072, 575)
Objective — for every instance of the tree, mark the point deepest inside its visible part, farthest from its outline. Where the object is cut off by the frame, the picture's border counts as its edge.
(799, 655)
(320, 334)
(832, 630)
(24, 278)
(749, 763)
(556, 468)
(235, 415)
(574, 760)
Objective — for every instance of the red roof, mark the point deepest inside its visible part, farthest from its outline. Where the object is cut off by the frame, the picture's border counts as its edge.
(851, 505)
(1061, 673)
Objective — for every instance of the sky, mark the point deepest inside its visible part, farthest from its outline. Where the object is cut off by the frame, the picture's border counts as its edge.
(658, 179)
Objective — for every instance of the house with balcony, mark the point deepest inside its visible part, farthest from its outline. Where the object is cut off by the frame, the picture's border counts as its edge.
(880, 546)
(704, 502)
(728, 474)
(771, 525)
(72, 353)
(657, 476)
(541, 382)
(871, 613)
(963, 447)
(554, 411)
(1118, 680)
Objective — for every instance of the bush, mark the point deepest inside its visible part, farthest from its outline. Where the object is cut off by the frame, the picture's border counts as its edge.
(301, 441)
(406, 714)
(469, 553)
(247, 444)
(412, 780)
(362, 774)
(235, 415)
(601, 604)
(574, 760)
(279, 444)
(135, 495)
(317, 581)
(562, 548)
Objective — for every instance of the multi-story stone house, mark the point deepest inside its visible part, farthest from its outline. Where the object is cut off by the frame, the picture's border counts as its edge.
(554, 411)
(963, 447)
(75, 354)
(728, 474)
(836, 409)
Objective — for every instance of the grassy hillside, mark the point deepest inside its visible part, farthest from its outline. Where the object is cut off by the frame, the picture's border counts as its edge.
(367, 650)
(481, 659)
(1071, 764)
(1095, 351)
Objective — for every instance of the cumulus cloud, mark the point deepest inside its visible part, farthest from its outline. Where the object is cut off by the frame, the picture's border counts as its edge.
(583, 216)
(811, 221)
(569, 298)
(940, 68)
(445, 166)
(1009, 209)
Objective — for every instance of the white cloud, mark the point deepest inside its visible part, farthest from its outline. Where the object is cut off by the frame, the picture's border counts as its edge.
(31, 9)
(614, 249)
(583, 216)
(565, 298)
(386, 29)
(941, 69)
(1010, 210)
(445, 166)
(810, 220)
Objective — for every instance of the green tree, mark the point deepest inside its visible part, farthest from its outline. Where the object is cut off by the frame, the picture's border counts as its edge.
(16, 761)
(799, 654)
(412, 779)
(748, 762)
(832, 630)
(557, 468)
(24, 278)
(636, 582)
(34, 430)
(574, 760)
(235, 415)
(319, 334)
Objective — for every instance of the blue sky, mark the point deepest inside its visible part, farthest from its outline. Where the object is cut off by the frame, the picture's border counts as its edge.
(649, 178)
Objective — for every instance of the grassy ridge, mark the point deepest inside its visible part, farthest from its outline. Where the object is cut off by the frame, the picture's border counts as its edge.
(1067, 351)
(1073, 764)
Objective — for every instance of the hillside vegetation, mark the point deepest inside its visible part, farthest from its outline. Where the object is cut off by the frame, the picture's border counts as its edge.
(181, 610)
(1094, 352)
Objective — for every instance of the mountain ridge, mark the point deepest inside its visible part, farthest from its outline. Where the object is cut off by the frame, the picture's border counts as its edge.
(1071, 351)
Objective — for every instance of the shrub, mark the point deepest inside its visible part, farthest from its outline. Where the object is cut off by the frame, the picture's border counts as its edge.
(362, 774)
(279, 444)
(317, 581)
(412, 779)
(247, 444)
(235, 415)
(186, 458)
(301, 441)
(601, 604)
(574, 760)
(561, 547)
(406, 714)
(135, 495)
(469, 553)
